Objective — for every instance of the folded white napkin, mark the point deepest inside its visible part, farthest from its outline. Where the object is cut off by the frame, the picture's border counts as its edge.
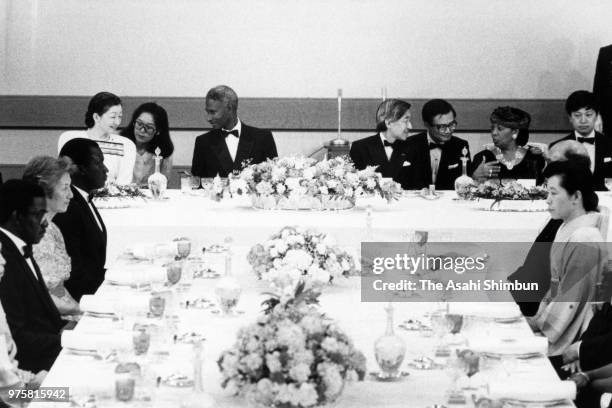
(132, 304)
(154, 250)
(118, 340)
(497, 310)
(509, 346)
(99, 381)
(124, 274)
(532, 391)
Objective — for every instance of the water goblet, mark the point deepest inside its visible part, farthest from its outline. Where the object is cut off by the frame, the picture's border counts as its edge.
(185, 183)
(124, 387)
(141, 340)
(183, 247)
(157, 304)
(195, 182)
(174, 271)
(608, 182)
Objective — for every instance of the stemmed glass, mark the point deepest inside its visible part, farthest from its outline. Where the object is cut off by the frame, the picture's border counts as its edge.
(608, 182)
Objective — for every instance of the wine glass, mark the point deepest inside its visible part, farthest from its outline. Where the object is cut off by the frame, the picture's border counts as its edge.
(608, 181)
(174, 271)
(157, 304)
(183, 247)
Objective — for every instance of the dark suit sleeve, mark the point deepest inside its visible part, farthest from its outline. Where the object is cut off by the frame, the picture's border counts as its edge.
(357, 156)
(270, 149)
(197, 162)
(82, 279)
(15, 304)
(596, 346)
(600, 76)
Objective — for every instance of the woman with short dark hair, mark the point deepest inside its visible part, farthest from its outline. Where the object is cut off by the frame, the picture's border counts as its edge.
(577, 257)
(517, 160)
(149, 130)
(102, 119)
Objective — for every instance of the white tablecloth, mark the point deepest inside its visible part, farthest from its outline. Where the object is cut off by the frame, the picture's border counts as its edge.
(205, 222)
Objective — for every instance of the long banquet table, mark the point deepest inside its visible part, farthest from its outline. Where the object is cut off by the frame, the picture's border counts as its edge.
(205, 222)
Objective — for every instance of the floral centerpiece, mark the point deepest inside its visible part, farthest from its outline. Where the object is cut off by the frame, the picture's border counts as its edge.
(304, 183)
(292, 357)
(113, 190)
(510, 195)
(295, 255)
(117, 195)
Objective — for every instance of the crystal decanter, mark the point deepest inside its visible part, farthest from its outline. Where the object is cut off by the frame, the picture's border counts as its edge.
(228, 288)
(157, 181)
(463, 182)
(197, 398)
(389, 350)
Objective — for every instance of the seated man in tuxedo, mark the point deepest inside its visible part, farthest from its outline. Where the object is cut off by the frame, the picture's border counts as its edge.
(231, 144)
(582, 109)
(81, 225)
(34, 320)
(385, 149)
(435, 155)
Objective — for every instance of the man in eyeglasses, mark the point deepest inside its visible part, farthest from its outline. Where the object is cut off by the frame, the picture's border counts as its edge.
(435, 155)
(230, 144)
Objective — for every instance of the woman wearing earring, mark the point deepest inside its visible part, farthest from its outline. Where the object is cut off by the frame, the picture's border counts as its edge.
(578, 256)
(509, 157)
(103, 117)
(149, 130)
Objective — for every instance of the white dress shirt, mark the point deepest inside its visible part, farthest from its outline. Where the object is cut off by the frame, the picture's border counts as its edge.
(86, 197)
(434, 156)
(388, 149)
(232, 141)
(590, 147)
(20, 244)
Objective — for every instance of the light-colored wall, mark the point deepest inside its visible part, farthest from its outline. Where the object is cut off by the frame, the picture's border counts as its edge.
(18, 146)
(297, 48)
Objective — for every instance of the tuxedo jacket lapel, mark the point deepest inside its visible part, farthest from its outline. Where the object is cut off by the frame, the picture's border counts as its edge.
(39, 286)
(245, 147)
(104, 234)
(85, 209)
(377, 150)
(601, 149)
(423, 146)
(220, 149)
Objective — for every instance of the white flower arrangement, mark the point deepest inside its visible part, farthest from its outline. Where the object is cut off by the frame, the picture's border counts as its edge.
(293, 357)
(295, 255)
(298, 182)
(114, 190)
(511, 190)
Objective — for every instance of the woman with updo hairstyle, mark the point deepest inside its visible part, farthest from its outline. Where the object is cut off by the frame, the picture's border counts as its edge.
(53, 175)
(149, 130)
(509, 157)
(578, 256)
(102, 119)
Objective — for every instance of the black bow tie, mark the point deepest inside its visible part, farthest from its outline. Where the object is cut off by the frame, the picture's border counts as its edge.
(590, 140)
(27, 251)
(387, 144)
(230, 132)
(433, 145)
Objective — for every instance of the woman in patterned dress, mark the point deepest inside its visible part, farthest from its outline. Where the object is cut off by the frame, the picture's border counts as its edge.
(55, 265)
